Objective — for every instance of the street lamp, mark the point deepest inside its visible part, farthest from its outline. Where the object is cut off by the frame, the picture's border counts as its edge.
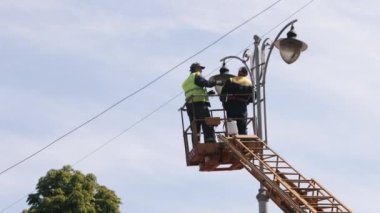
(290, 49)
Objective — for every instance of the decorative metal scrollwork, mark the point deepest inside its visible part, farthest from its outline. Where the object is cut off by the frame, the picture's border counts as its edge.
(246, 55)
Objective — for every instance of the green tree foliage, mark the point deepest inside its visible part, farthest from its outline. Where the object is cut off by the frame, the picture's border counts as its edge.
(69, 191)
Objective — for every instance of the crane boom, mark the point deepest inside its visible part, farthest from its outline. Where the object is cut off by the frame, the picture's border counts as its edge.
(289, 189)
(285, 186)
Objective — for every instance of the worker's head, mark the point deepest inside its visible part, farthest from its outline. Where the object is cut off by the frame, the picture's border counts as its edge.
(196, 67)
(243, 71)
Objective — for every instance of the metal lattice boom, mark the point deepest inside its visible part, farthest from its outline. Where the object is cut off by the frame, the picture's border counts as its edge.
(291, 191)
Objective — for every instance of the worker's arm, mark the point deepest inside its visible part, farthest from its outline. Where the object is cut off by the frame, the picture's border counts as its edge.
(202, 82)
(225, 91)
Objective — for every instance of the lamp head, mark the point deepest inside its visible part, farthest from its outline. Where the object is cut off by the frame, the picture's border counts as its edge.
(224, 69)
(290, 47)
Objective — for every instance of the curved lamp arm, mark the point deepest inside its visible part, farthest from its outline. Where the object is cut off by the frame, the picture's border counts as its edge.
(271, 48)
(263, 46)
(240, 59)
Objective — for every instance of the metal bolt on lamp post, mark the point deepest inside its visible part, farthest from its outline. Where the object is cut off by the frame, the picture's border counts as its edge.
(290, 49)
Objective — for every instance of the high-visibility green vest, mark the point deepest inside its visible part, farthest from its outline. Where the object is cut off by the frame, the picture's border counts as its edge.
(191, 89)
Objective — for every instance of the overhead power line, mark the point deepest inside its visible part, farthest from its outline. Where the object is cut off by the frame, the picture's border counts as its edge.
(129, 128)
(15, 202)
(287, 18)
(138, 90)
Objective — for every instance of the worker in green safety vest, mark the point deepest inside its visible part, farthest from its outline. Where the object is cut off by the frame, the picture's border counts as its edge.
(197, 102)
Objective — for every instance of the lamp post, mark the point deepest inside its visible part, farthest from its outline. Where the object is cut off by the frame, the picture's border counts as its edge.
(290, 49)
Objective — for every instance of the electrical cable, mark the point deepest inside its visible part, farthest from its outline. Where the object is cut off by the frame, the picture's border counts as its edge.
(287, 18)
(15, 202)
(127, 129)
(138, 90)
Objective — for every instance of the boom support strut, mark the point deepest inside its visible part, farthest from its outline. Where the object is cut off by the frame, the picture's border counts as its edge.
(291, 191)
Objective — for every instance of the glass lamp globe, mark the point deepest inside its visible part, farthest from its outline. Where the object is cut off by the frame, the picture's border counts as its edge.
(290, 47)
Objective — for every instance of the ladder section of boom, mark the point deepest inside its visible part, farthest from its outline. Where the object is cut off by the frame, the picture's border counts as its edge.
(290, 190)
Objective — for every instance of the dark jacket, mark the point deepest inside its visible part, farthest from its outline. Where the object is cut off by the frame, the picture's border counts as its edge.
(237, 90)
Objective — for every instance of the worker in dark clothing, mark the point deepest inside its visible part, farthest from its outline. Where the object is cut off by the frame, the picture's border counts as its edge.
(235, 96)
(197, 102)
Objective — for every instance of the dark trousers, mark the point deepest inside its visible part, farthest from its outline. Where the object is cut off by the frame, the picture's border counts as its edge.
(238, 111)
(199, 110)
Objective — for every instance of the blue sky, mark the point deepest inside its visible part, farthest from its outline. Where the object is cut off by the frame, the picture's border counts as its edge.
(63, 62)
